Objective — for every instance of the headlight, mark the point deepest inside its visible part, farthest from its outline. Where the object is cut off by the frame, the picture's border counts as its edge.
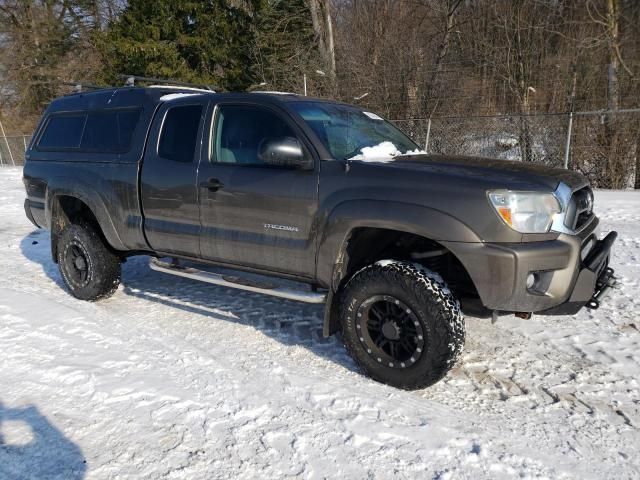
(525, 212)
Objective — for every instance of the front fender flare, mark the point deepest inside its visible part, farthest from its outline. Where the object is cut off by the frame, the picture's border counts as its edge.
(403, 217)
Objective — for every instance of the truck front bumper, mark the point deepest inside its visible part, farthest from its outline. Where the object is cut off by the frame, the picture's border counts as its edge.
(553, 277)
(595, 280)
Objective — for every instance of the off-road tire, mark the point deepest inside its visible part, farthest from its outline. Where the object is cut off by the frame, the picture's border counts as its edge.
(434, 307)
(103, 267)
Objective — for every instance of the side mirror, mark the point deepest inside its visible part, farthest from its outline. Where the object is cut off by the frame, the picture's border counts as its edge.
(284, 152)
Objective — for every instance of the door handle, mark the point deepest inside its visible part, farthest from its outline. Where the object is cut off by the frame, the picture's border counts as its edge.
(213, 185)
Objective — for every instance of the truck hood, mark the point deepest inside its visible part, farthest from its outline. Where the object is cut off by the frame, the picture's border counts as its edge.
(507, 174)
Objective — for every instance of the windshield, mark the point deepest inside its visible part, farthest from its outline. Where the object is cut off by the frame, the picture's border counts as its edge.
(353, 134)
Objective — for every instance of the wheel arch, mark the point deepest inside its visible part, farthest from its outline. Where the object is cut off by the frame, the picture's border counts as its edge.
(358, 235)
(349, 220)
(70, 204)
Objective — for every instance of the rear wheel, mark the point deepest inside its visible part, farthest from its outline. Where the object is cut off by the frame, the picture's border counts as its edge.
(401, 324)
(89, 269)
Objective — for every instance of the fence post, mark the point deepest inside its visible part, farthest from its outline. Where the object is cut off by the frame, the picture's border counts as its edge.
(6, 140)
(426, 143)
(567, 146)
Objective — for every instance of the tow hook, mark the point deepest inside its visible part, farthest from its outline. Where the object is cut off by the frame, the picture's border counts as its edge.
(604, 285)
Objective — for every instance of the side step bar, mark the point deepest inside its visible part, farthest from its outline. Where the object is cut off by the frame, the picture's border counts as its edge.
(234, 281)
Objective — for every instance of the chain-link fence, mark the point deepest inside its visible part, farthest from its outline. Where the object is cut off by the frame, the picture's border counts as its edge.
(603, 145)
(12, 148)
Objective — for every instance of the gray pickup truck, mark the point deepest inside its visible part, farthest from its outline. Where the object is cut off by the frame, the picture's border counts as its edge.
(395, 243)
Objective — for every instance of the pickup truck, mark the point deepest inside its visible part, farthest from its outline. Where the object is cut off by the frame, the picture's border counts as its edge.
(397, 244)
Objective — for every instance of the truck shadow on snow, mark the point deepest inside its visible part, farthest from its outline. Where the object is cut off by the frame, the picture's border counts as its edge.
(31, 447)
(290, 323)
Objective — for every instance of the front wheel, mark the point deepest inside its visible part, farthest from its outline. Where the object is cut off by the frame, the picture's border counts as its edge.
(89, 269)
(401, 324)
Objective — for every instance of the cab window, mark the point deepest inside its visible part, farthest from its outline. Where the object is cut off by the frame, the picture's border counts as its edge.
(240, 131)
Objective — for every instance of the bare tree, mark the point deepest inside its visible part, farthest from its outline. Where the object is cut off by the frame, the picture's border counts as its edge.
(450, 9)
(45, 43)
(323, 27)
(615, 166)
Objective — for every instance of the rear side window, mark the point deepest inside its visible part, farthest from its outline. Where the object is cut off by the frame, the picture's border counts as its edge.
(101, 131)
(180, 133)
(63, 132)
(109, 131)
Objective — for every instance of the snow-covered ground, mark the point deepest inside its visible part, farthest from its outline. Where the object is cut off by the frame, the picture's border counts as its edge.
(172, 378)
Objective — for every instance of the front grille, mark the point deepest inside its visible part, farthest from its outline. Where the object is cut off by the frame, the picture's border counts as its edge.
(580, 209)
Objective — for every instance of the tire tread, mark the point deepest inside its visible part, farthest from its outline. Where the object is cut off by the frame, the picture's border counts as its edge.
(108, 269)
(428, 288)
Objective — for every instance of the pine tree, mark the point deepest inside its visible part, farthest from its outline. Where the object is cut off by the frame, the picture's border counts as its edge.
(205, 42)
(285, 48)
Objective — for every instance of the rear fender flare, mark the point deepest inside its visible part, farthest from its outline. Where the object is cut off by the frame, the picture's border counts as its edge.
(63, 186)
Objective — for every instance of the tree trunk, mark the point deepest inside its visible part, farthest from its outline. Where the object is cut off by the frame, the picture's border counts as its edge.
(613, 94)
(331, 48)
(525, 140)
(452, 7)
(323, 28)
(572, 163)
(637, 182)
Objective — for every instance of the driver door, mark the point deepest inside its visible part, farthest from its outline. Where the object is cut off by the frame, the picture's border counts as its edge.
(255, 214)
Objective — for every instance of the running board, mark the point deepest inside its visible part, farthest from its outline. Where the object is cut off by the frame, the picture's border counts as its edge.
(237, 282)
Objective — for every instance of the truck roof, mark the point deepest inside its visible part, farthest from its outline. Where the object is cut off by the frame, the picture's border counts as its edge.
(120, 97)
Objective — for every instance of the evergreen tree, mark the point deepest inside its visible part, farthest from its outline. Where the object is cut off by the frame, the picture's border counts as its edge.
(285, 48)
(204, 42)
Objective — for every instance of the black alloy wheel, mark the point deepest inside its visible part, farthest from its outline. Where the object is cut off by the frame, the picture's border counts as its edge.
(390, 331)
(77, 263)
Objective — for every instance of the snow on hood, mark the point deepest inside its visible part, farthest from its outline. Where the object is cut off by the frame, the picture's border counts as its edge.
(383, 152)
